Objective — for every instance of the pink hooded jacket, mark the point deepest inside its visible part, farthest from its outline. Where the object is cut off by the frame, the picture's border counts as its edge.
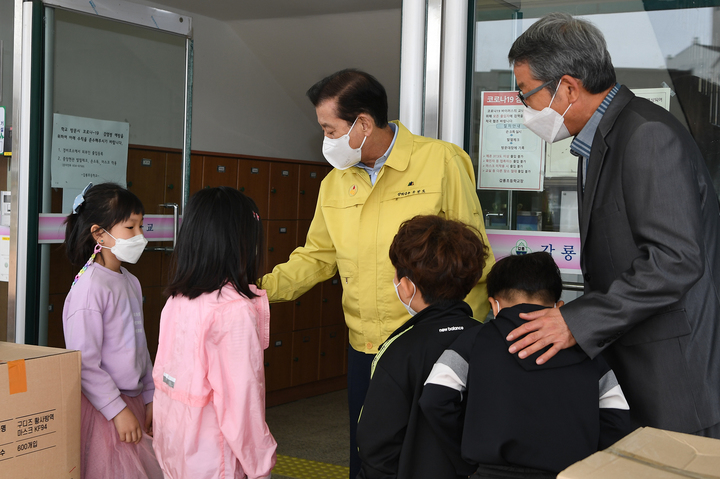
(209, 403)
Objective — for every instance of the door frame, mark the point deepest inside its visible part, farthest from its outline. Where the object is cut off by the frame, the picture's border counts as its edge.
(23, 315)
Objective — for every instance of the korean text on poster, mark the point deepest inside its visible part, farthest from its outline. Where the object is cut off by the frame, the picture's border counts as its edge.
(87, 150)
(511, 156)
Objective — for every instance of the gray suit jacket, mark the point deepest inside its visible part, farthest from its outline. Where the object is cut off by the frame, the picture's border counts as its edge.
(649, 225)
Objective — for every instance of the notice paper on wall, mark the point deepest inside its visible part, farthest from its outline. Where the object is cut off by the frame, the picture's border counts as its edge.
(87, 150)
(511, 156)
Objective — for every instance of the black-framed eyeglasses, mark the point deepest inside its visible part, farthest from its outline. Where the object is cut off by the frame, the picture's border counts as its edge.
(525, 96)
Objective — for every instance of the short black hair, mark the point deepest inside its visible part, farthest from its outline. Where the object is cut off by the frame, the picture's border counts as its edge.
(355, 92)
(219, 242)
(535, 274)
(105, 205)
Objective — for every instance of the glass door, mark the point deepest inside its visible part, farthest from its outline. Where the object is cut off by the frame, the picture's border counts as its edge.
(111, 104)
(666, 51)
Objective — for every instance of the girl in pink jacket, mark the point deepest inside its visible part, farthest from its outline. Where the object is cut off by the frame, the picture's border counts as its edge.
(209, 376)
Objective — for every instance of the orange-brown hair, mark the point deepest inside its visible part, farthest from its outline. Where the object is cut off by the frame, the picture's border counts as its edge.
(444, 258)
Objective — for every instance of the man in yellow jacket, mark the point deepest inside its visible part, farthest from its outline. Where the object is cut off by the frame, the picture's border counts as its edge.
(383, 176)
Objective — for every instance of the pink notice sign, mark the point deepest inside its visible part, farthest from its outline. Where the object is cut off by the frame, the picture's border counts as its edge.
(564, 247)
(511, 156)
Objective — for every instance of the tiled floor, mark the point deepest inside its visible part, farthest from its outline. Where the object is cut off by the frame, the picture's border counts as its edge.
(313, 437)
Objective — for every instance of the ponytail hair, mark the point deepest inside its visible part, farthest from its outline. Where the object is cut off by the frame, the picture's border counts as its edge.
(105, 205)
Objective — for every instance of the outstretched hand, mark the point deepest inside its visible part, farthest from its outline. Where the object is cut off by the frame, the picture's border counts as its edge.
(543, 327)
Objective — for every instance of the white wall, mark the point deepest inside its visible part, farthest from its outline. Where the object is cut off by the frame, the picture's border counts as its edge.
(250, 77)
(300, 51)
(239, 106)
(113, 71)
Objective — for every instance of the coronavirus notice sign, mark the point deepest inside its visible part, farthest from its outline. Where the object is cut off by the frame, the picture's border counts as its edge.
(87, 150)
(511, 156)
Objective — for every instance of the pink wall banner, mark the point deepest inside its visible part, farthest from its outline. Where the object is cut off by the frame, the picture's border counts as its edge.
(52, 228)
(564, 247)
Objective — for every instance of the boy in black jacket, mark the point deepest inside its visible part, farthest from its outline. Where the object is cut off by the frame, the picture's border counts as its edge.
(521, 419)
(437, 263)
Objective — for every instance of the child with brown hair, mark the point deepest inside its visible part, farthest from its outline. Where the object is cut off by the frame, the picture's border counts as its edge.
(437, 262)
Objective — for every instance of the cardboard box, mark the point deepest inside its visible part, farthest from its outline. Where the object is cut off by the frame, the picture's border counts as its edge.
(39, 412)
(651, 453)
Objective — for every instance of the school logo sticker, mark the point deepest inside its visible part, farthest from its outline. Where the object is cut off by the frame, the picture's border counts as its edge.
(521, 247)
(353, 190)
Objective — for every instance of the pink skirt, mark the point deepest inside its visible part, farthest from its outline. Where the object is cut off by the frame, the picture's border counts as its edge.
(104, 456)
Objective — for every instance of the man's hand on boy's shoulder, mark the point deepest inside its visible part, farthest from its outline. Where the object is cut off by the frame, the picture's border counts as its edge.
(543, 327)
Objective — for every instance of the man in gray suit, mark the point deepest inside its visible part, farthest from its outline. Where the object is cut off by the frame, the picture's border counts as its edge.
(649, 224)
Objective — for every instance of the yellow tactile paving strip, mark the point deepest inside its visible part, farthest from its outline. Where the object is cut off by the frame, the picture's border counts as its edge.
(305, 469)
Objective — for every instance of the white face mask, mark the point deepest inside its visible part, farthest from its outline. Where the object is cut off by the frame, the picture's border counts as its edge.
(407, 306)
(339, 154)
(547, 124)
(128, 250)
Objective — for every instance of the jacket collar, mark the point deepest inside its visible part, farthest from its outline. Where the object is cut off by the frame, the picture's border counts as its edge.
(509, 319)
(434, 312)
(399, 158)
(597, 158)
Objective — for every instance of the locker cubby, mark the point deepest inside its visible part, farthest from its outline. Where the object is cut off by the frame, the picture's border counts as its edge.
(308, 338)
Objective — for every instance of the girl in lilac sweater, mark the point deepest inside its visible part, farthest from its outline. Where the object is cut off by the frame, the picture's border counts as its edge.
(103, 318)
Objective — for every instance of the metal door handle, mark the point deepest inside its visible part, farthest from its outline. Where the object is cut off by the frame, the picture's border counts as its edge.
(174, 206)
(570, 286)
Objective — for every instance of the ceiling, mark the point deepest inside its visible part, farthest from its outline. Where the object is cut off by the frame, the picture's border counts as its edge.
(229, 10)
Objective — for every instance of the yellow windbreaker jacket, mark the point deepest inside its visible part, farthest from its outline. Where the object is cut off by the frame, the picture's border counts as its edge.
(355, 223)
